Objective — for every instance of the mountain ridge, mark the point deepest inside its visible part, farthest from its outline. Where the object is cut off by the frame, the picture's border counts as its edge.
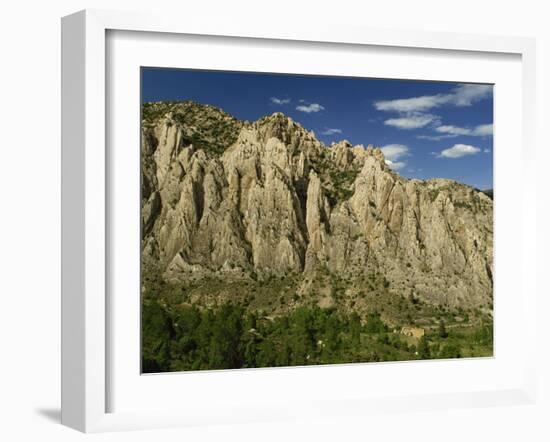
(252, 201)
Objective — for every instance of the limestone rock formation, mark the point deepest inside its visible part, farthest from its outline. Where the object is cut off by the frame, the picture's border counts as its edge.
(261, 199)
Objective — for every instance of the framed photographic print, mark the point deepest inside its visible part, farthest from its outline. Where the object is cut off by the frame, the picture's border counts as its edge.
(283, 223)
(265, 244)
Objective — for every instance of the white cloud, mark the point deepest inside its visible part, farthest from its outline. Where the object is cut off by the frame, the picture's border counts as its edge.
(280, 101)
(411, 121)
(459, 151)
(415, 104)
(331, 131)
(462, 95)
(453, 130)
(483, 130)
(309, 108)
(396, 165)
(467, 94)
(413, 112)
(393, 152)
(486, 150)
(479, 131)
(434, 137)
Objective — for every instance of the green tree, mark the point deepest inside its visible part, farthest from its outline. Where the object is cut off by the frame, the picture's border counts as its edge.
(225, 348)
(449, 351)
(442, 331)
(250, 348)
(484, 334)
(375, 324)
(355, 329)
(267, 354)
(423, 348)
(302, 339)
(157, 333)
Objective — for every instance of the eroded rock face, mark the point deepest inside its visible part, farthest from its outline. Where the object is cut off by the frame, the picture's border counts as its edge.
(275, 201)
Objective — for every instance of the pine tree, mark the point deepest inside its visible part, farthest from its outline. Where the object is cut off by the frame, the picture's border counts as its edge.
(442, 330)
(423, 348)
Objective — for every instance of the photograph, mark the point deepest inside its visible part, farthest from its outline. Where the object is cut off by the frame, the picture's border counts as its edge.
(298, 220)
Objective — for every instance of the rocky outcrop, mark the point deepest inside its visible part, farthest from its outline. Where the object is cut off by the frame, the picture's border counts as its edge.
(317, 222)
(274, 201)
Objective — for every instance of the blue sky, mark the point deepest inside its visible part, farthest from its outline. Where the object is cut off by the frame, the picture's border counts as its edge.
(426, 129)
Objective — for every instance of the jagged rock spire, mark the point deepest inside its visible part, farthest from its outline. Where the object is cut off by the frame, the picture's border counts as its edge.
(225, 197)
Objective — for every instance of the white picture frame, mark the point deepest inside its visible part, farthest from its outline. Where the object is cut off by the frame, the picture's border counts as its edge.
(86, 356)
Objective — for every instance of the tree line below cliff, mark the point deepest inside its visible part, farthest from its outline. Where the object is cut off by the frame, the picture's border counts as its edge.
(186, 337)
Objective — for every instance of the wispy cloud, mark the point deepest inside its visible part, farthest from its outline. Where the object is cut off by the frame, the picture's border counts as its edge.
(416, 112)
(280, 101)
(331, 131)
(310, 108)
(453, 130)
(415, 104)
(394, 152)
(396, 165)
(413, 120)
(482, 130)
(459, 151)
(462, 95)
(434, 137)
(468, 94)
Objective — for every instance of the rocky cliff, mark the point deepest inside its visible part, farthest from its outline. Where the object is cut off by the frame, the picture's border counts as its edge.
(252, 201)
